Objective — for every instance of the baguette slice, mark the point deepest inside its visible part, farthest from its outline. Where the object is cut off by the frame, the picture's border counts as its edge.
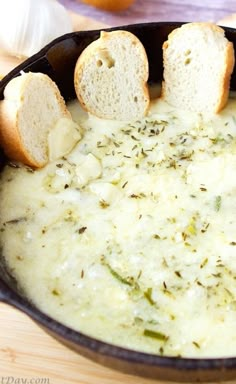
(111, 77)
(31, 107)
(198, 63)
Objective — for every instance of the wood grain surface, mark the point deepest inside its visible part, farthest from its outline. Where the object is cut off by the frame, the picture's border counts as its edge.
(26, 352)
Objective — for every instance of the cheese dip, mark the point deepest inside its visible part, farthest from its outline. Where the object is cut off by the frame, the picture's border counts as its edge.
(131, 238)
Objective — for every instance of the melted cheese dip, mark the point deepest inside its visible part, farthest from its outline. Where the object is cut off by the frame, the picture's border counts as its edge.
(131, 238)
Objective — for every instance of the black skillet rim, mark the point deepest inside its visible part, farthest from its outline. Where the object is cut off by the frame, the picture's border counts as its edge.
(10, 296)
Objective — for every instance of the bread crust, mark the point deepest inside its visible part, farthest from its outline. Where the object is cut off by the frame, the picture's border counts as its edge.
(225, 83)
(229, 21)
(94, 48)
(10, 137)
(229, 61)
(10, 133)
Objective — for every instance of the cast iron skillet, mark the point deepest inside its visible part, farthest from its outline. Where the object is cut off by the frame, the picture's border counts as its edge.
(58, 60)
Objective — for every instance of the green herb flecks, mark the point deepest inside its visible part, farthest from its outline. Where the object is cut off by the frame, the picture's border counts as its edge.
(178, 274)
(218, 139)
(81, 230)
(191, 229)
(196, 345)
(124, 280)
(130, 281)
(16, 221)
(155, 335)
(103, 204)
(55, 292)
(204, 263)
(148, 295)
(217, 204)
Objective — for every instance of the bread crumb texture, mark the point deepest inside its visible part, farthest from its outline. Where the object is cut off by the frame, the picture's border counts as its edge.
(198, 63)
(31, 107)
(111, 77)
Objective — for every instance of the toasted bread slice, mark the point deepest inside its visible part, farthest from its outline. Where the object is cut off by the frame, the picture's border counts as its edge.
(198, 63)
(31, 107)
(111, 77)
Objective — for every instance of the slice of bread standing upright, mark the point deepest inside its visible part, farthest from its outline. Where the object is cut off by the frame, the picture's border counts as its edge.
(111, 77)
(31, 107)
(198, 63)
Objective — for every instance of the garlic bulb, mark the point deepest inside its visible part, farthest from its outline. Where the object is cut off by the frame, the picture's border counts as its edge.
(28, 25)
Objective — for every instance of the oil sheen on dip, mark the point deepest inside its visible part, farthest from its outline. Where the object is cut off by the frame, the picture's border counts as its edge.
(131, 238)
